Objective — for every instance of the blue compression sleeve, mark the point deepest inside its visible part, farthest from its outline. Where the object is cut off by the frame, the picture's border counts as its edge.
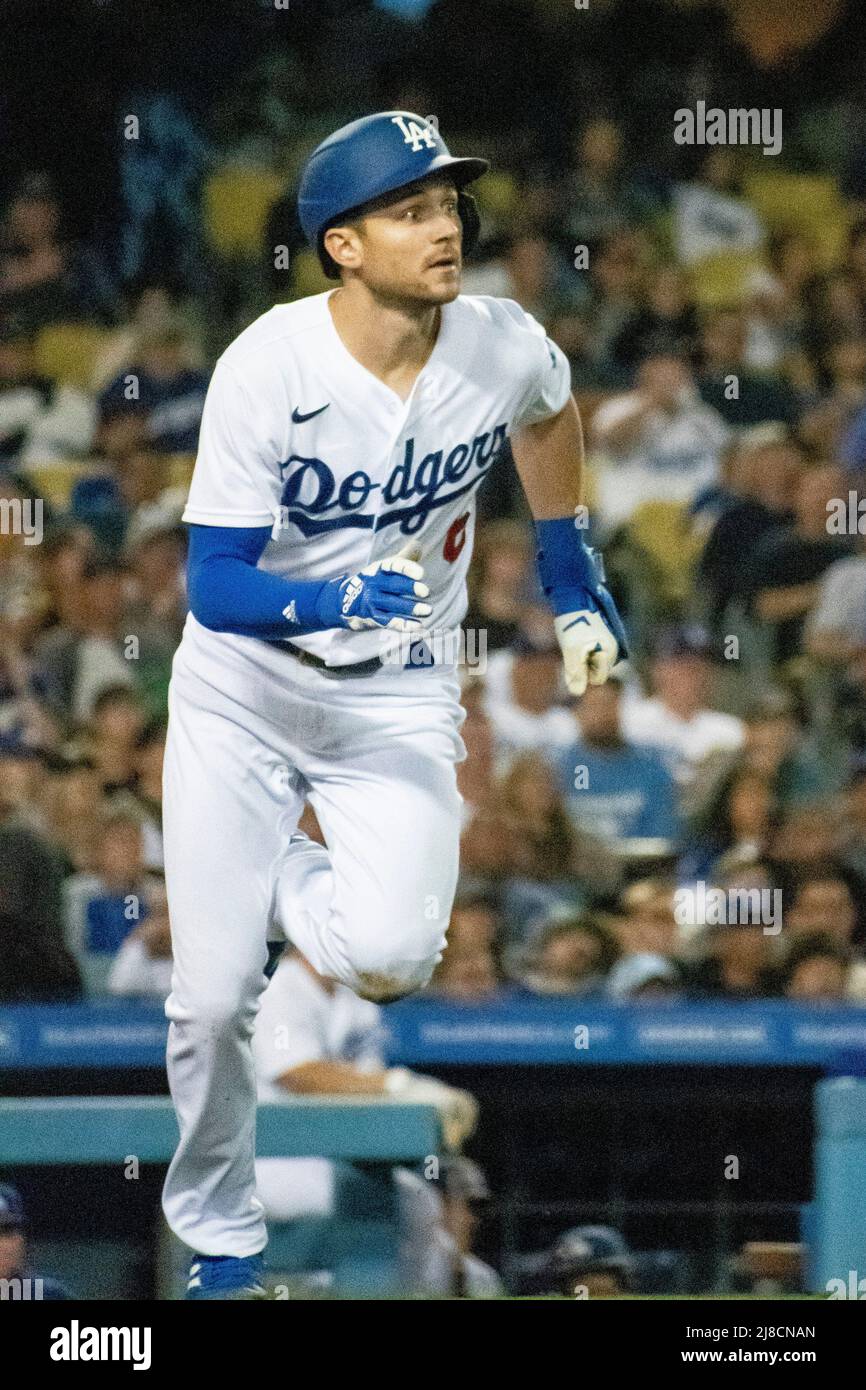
(227, 593)
(572, 575)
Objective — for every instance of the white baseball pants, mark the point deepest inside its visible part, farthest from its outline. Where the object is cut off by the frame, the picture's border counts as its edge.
(252, 735)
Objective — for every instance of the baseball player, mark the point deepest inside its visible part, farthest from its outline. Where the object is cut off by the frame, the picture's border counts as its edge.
(315, 1037)
(330, 528)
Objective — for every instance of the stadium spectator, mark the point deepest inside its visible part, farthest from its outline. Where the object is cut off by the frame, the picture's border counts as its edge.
(710, 215)
(22, 779)
(782, 573)
(645, 977)
(45, 278)
(476, 774)
(835, 629)
(169, 391)
(74, 804)
(153, 309)
(792, 297)
(95, 649)
(741, 397)
(146, 789)
(677, 717)
(552, 849)
(522, 686)
(614, 789)
(585, 1262)
(528, 270)
(825, 423)
(761, 474)
(809, 844)
(608, 299)
(40, 419)
(737, 962)
(572, 956)
(143, 962)
(500, 580)
(469, 970)
(816, 970)
(736, 831)
(645, 923)
(35, 965)
(666, 319)
(50, 600)
(160, 177)
(110, 737)
(823, 905)
(660, 442)
(104, 906)
(598, 196)
(781, 747)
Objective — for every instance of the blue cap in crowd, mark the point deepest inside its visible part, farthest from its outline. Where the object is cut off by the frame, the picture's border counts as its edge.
(11, 1209)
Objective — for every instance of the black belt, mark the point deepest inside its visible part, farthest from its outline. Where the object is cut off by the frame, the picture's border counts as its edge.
(358, 668)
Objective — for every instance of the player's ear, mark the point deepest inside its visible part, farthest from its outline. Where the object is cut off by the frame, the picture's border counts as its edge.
(343, 245)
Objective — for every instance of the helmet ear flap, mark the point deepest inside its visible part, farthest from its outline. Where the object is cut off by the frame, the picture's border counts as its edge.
(471, 219)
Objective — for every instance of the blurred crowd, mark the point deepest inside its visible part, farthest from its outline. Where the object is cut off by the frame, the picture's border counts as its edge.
(714, 314)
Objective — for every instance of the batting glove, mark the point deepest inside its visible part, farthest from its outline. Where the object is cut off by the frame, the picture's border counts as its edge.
(589, 648)
(383, 594)
(588, 625)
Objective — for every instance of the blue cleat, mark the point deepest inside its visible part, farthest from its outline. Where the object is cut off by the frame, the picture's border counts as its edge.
(226, 1276)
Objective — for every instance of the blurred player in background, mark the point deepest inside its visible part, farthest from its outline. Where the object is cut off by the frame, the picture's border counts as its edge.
(316, 1037)
(14, 1255)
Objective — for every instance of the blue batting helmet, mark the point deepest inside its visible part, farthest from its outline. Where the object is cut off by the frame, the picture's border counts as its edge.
(372, 157)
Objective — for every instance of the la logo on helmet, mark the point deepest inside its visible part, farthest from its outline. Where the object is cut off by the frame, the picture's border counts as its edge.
(418, 136)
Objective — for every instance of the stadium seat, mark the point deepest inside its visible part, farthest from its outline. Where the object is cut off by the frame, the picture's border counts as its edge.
(180, 468)
(722, 279)
(307, 275)
(56, 480)
(810, 203)
(663, 531)
(236, 204)
(497, 196)
(66, 352)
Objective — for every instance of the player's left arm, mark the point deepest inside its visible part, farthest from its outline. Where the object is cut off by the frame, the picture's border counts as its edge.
(549, 457)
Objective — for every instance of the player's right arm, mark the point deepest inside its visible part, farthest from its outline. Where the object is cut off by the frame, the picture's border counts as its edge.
(233, 502)
(228, 593)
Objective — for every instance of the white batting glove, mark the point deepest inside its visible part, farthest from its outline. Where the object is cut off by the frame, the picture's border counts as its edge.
(589, 649)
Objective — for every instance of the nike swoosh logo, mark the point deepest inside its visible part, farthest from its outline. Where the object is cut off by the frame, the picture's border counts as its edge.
(299, 418)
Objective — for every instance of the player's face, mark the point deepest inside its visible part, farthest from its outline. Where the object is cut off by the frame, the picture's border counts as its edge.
(411, 249)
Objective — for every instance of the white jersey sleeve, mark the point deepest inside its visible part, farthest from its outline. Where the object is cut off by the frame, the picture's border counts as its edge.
(548, 372)
(236, 480)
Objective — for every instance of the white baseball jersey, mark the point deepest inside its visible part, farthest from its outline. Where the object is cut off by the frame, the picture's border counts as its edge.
(302, 1021)
(298, 435)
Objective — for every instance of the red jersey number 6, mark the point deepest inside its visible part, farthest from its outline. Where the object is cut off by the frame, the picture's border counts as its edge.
(455, 539)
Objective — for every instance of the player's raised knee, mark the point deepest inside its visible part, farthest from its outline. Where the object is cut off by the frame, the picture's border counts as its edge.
(385, 980)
